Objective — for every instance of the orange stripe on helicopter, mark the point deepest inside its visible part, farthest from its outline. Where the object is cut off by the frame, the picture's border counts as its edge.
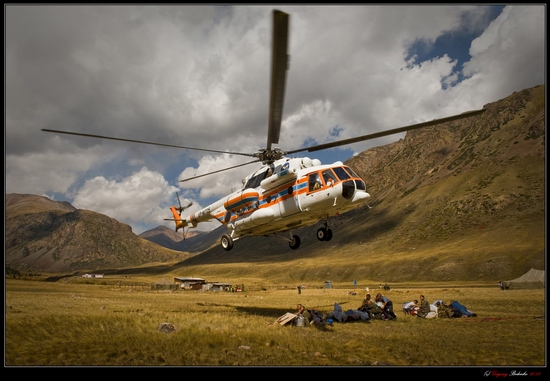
(243, 200)
(299, 187)
(278, 193)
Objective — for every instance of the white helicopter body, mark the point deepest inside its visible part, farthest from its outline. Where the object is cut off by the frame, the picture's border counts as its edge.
(286, 195)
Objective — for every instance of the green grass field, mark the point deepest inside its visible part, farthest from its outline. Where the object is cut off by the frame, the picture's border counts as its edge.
(61, 323)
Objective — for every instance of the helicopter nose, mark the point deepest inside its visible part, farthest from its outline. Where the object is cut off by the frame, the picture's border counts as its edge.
(354, 191)
(360, 196)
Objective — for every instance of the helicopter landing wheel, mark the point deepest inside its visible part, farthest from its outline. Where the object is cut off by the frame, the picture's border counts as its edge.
(227, 242)
(294, 242)
(324, 234)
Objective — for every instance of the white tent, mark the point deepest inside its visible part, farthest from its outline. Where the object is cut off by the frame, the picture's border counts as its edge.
(531, 279)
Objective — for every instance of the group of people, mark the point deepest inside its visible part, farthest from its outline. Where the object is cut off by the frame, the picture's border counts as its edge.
(436, 309)
(314, 316)
(422, 310)
(379, 308)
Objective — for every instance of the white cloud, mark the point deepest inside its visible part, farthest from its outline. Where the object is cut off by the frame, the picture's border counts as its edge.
(133, 200)
(510, 55)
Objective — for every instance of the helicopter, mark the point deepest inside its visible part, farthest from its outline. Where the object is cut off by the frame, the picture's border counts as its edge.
(285, 193)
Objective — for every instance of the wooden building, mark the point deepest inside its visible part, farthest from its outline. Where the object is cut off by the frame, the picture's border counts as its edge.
(188, 283)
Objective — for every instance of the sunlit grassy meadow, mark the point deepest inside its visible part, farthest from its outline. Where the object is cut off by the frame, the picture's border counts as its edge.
(96, 324)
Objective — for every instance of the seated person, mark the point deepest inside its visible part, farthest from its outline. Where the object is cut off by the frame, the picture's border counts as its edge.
(424, 308)
(409, 308)
(434, 306)
(386, 304)
(373, 309)
(444, 311)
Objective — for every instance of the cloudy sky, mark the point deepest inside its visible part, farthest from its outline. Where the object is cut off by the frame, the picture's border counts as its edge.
(198, 76)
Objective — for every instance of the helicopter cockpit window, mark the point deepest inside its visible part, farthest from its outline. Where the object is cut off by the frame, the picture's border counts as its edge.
(314, 182)
(329, 177)
(341, 173)
(255, 181)
(350, 171)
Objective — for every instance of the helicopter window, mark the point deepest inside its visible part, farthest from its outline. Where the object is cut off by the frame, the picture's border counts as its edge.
(348, 189)
(360, 184)
(329, 177)
(255, 181)
(341, 173)
(314, 182)
(350, 171)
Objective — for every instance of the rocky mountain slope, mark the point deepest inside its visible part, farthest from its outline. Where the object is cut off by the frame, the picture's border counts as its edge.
(49, 236)
(462, 200)
(194, 239)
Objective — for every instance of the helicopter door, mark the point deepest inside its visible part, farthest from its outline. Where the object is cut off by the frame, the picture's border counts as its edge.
(290, 205)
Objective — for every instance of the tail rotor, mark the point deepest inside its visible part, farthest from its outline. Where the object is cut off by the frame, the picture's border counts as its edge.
(182, 208)
(176, 212)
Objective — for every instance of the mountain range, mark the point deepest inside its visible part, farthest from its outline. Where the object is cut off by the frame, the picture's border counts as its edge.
(461, 200)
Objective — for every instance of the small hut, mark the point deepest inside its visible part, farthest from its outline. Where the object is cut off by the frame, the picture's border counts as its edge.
(189, 283)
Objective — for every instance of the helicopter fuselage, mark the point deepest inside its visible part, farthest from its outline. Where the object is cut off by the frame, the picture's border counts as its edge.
(285, 195)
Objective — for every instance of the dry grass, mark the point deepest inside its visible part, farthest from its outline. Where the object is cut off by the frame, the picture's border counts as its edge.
(84, 324)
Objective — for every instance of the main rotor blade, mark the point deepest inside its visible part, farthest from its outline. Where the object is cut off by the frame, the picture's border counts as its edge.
(387, 132)
(279, 66)
(220, 170)
(144, 142)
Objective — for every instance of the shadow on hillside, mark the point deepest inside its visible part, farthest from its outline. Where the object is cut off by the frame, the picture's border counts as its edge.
(56, 278)
(355, 227)
(145, 270)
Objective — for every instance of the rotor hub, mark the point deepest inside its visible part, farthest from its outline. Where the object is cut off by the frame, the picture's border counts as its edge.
(268, 156)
